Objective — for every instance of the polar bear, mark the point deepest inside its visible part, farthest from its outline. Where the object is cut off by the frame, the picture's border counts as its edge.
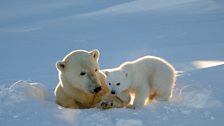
(81, 83)
(147, 77)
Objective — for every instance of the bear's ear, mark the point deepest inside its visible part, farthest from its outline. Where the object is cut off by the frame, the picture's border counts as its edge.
(60, 65)
(95, 53)
(126, 75)
(106, 72)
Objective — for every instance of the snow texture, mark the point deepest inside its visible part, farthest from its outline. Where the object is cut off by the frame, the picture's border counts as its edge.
(36, 34)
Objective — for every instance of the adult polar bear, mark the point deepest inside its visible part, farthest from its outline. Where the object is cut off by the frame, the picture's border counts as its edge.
(147, 77)
(81, 83)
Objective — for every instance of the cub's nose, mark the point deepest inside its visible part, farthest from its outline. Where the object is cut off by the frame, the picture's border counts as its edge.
(96, 90)
(112, 92)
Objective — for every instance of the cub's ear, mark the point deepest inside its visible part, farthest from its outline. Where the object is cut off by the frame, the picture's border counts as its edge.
(60, 65)
(126, 75)
(106, 72)
(95, 53)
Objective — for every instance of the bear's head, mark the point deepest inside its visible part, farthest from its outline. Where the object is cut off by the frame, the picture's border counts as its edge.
(80, 69)
(117, 81)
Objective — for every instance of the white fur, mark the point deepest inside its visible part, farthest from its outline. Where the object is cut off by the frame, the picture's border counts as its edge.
(142, 77)
(79, 76)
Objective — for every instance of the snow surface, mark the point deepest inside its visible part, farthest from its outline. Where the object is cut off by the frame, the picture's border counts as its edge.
(35, 34)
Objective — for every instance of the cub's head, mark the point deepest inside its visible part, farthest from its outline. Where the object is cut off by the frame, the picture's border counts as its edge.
(117, 81)
(80, 69)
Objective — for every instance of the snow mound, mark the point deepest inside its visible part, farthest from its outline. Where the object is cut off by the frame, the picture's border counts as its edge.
(199, 99)
(22, 90)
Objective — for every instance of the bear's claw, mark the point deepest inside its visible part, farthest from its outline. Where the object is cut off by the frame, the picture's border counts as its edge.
(107, 104)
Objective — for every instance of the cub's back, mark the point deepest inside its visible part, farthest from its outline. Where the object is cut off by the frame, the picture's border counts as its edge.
(146, 65)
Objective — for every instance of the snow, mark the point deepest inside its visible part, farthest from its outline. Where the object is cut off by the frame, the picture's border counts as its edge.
(36, 34)
(196, 6)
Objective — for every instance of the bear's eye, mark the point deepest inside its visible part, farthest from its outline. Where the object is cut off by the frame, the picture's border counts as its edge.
(82, 73)
(118, 84)
(96, 70)
(109, 83)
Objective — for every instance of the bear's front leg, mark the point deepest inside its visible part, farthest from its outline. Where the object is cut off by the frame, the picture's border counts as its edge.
(106, 102)
(110, 101)
(125, 97)
(141, 95)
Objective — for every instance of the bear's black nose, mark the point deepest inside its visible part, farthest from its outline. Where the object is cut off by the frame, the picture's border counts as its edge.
(96, 90)
(112, 92)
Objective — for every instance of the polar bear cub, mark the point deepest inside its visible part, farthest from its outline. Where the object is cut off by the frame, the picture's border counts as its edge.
(147, 77)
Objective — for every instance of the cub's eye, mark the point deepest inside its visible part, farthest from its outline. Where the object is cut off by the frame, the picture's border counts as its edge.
(109, 83)
(96, 70)
(118, 84)
(82, 73)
